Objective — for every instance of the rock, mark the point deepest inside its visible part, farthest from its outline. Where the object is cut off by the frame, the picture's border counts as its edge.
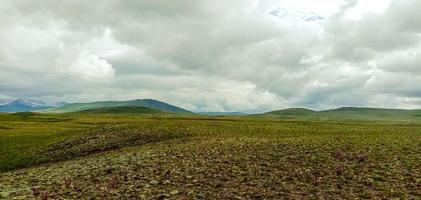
(109, 170)
(4, 195)
(163, 196)
(174, 192)
(153, 182)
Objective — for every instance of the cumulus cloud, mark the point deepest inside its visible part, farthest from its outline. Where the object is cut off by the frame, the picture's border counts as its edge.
(241, 55)
(89, 66)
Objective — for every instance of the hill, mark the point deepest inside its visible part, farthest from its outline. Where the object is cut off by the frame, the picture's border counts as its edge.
(148, 103)
(349, 113)
(122, 110)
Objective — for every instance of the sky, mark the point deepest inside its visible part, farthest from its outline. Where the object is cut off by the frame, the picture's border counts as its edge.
(214, 55)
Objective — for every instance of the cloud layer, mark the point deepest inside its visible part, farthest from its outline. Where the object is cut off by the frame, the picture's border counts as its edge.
(240, 55)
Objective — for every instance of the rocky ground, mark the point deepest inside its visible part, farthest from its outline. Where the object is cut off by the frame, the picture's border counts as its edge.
(236, 166)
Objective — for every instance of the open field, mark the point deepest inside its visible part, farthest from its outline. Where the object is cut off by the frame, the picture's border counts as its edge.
(159, 156)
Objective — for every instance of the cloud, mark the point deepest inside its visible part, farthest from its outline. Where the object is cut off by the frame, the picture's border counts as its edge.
(361, 39)
(89, 66)
(214, 55)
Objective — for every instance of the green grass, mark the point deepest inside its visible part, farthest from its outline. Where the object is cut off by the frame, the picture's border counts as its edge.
(126, 156)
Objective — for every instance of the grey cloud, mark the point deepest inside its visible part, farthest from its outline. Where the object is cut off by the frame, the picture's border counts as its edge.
(359, 40)
(208, 55)
(402, 62)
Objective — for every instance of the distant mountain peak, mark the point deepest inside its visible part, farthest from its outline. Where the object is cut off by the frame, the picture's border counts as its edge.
(23, 105)
(29, 102)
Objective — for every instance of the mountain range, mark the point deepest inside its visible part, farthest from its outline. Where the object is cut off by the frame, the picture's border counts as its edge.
(21, 105)
(151, 106)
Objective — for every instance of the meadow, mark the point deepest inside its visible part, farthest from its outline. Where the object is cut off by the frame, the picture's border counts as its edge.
(166, 156)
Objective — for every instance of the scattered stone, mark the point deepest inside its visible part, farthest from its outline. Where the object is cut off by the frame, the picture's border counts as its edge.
(153, 182)
(174, 192)
(163, 196)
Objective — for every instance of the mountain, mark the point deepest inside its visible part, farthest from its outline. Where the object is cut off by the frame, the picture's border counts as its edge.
(122, 110)
(148, 103)
(21, 105)
(348, 113)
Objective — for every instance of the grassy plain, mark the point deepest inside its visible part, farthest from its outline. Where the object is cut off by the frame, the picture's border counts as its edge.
(159, 156)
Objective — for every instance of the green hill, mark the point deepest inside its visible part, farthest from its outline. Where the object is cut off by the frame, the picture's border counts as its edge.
(122, 110)
(348, 113)
(148, 103)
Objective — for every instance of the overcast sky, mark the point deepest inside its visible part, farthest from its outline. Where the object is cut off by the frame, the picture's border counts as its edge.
(214, 55)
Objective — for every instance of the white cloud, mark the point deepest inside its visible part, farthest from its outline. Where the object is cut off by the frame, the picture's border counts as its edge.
(89, 66)
(364, 7)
